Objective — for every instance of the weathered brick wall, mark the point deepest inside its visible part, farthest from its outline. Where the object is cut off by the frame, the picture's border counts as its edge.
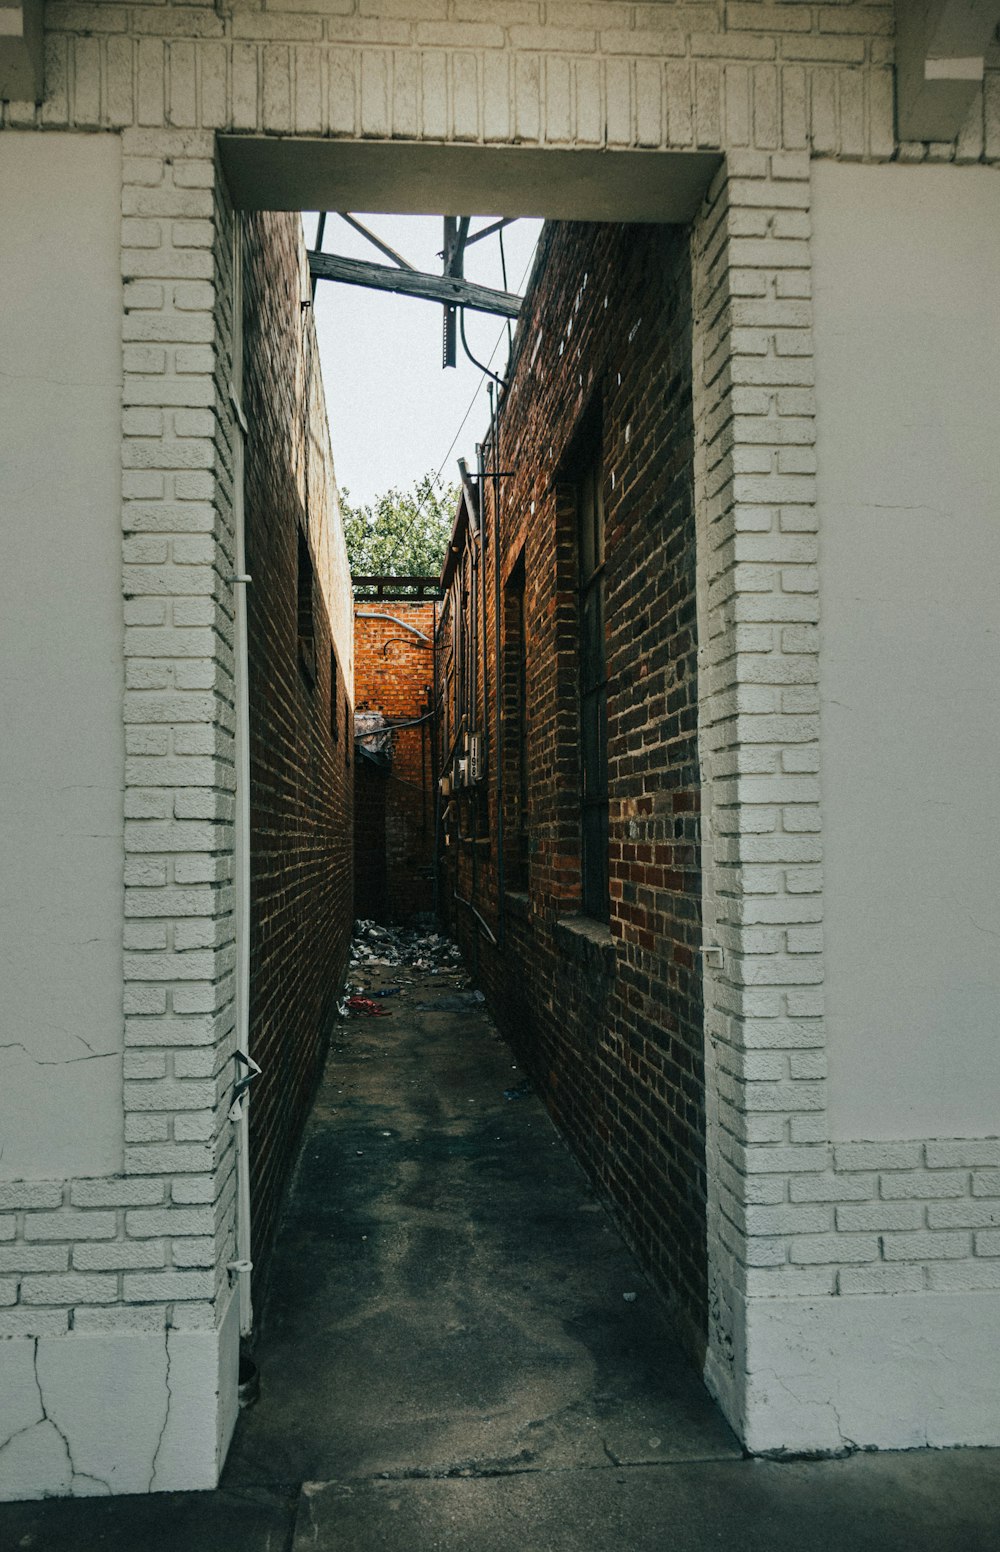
(609, 1020)
(301, 760)
(394, 814)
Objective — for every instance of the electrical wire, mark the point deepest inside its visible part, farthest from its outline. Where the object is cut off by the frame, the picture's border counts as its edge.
(472, 401)
(503, 274)
(390, 727)
(486, 370)
(468, 352)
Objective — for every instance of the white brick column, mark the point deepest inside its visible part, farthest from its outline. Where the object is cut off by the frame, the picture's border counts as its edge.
(180, 717)
(755, 486)
(119, 1326)
(836, 1268)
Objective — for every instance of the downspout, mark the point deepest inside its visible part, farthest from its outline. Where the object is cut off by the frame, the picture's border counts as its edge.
(239, 1111)
(436, 733)
(379, 614)
(481, 655)
(498, 679)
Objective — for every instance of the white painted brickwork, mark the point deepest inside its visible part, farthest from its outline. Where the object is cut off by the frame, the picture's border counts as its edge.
(770, 85)
(789, 1214)
(150, 1248)
(592, 73)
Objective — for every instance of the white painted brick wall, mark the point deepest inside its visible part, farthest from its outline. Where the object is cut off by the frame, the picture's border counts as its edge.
(789, 76)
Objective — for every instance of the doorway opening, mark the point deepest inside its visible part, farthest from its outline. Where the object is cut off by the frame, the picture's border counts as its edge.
(546, 752)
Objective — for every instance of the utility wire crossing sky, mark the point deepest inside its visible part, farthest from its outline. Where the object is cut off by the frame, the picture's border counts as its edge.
(395, 413)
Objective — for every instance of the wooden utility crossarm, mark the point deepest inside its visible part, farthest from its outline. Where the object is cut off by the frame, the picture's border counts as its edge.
(431, 288)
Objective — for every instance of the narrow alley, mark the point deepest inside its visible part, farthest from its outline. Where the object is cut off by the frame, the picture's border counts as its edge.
(459, 1353)
(447, 1291)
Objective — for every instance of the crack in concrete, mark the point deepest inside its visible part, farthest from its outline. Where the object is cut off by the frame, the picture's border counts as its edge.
(487, 1473)
(75, 1474)
(166, 1413)
(60, 1061)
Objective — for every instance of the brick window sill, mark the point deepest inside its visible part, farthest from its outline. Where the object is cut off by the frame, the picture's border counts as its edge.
(518, 903)
(587, 941)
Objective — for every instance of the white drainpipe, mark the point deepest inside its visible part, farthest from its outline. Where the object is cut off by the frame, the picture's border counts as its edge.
(246, 1067)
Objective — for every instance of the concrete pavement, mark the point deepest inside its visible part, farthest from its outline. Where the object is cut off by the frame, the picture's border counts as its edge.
(459, 1353)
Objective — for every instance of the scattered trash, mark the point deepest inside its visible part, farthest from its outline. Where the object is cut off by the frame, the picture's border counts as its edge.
(454, 1002)
(387, 991)
(516, 1093)
(421, 946)
(629, 1298)
(365, 1005)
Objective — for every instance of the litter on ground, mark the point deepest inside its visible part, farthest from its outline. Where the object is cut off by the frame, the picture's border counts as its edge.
(419, 947)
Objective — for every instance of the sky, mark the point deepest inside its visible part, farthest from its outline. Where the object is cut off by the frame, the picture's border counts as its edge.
(394, 411)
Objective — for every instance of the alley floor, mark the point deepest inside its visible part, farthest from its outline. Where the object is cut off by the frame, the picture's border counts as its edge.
(459, 1353)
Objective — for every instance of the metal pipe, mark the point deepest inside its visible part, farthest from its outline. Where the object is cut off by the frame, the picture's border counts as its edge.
(390, 727)
(483, 924)
(471, 494)
(243, 1263)
(435, 735)
(377, 614)
(499, 679)
(482, 646)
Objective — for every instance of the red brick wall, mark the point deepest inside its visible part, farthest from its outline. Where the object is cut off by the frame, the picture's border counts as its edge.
(301, 777)
(610, 1023)
(394, 816)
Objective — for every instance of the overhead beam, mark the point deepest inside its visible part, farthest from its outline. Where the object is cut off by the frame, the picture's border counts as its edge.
(940, 49)
(429, 288)
(21, 51)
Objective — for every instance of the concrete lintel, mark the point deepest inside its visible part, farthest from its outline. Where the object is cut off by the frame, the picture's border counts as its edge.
(940, 48)
(265, 173)
(21, 50)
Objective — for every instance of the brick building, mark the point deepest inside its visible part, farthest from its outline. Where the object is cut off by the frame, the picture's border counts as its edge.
(300, 712)
(394, 790)
(831, 173)
(595, 969)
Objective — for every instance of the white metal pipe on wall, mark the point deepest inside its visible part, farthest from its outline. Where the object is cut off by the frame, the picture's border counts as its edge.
(241, 1114)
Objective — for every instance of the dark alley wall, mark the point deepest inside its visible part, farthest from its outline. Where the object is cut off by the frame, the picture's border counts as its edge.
(607, 1014)
(301, 732)
(394, 812)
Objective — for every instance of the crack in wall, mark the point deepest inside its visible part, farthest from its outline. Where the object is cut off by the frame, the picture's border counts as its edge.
(166, 1413)
(85, 1476)
(59, 1061)
(76, 1475)
(28, 1426)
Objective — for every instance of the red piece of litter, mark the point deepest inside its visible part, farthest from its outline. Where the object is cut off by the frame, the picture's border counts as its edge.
(367, 1006)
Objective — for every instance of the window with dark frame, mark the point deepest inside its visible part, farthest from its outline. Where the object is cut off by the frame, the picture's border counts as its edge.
(347, 731)
(306, 625)
(334, 699)
(593, 687)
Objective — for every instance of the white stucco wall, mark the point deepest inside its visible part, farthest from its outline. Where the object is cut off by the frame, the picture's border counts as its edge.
(907, 341)
(61, 753)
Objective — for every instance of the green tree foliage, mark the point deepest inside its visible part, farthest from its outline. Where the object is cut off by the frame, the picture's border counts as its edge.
(404, 533)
